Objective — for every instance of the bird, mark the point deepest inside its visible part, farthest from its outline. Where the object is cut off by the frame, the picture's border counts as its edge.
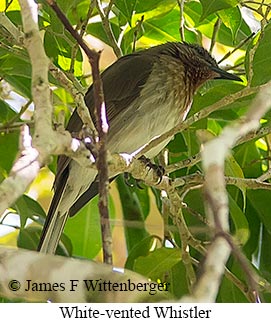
(147, 93)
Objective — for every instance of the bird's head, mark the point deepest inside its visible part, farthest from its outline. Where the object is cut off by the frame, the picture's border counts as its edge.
(199, 65)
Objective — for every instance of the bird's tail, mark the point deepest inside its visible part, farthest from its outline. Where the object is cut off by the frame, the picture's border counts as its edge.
(51, 233)
(54, 223)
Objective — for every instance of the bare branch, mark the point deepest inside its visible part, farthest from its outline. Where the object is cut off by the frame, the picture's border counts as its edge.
(107, 27)
(214, 155)
(75, 277)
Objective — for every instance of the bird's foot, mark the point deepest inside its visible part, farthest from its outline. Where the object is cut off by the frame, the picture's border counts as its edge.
(159, 170)
(132, 182)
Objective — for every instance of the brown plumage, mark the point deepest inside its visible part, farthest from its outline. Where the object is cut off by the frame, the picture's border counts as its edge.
(146, 93)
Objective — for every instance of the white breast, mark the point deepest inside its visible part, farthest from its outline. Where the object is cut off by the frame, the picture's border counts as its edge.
(161, 106)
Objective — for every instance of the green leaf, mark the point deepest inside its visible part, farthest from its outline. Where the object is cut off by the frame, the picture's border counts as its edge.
(84, 230)
(143, 6)
(211, 93)
(28, 208)
(249, 157)
(60, 50)
(229, 293)
(232, 19)
(133, 214)
(29, 237)
(96, 30)
(127, 8)
(262, 59)
(154, 8)
(163, 29)
(233, 169)
(265, 259)
(141, 249)
(8, 150)
(6, 112)
(240, 222)
(255, 224)
(212, 6)
(193, 12)
(15, 66)
(178, 280)
(157, 263)
(260, 200)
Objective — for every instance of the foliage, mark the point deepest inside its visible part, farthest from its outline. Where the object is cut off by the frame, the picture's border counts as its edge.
(142, 24)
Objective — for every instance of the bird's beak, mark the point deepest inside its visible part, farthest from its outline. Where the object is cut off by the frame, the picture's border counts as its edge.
(221, 74)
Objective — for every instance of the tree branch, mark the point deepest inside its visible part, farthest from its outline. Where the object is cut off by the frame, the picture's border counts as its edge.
(37, 268)
(216, 201)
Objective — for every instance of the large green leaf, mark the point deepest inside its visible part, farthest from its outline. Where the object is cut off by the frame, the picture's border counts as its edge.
(60, 50)
(28, 208)
(96, 29)
(254, 228)
(162, 29)
(240, 222)
(249, 158)
(84, 230)
(8, 150)
(133, 213)
(212, 6)
(232, 19)
(29, 238)
(6, 112)
(214, 91)
(157, 263)
(177, 277)
(262, 59)
(229, 293)
(265, 259)
(193, 13)
(126, 7)
(143, 248)
(260, 200)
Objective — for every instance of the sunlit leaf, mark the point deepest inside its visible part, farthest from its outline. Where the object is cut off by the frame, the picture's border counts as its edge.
(231, 18)
(156, 264)
(28, 208)
(211, 6)
(262, 59)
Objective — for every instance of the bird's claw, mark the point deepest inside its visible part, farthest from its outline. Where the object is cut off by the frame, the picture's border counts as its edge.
(159, 170)
(132, 182)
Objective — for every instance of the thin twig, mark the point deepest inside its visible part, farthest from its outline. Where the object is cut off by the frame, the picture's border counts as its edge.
(137, 29)
(237, 47)
(18, 115)
(108, 8)
(214, 34)
(182, 21)
(108, 29)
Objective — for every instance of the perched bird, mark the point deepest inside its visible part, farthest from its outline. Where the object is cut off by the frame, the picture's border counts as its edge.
(147, 93)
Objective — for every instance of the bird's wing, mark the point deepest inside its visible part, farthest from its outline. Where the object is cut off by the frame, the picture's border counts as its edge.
(122, 83)
(121, 87)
